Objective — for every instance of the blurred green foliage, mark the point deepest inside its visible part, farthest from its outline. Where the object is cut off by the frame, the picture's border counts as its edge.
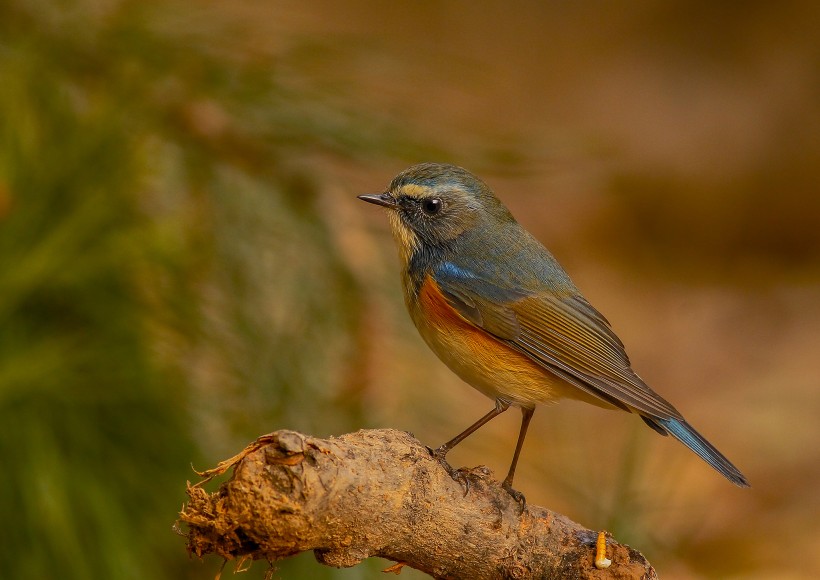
(149, 187)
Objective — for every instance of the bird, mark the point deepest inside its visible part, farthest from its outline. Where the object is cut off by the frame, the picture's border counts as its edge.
(499, 310)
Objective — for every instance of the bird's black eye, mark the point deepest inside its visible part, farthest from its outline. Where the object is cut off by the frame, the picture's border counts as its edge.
(431, 205)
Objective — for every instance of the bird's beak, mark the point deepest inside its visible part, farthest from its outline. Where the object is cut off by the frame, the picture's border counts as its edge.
(383, 199)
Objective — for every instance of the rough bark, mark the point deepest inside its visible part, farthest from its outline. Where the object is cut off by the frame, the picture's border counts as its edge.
(380, 493)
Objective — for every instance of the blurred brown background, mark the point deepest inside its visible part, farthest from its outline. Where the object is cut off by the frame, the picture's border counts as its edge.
(185, 265)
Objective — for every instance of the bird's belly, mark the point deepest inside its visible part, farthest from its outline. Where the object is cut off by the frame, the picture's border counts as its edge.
(481, 360)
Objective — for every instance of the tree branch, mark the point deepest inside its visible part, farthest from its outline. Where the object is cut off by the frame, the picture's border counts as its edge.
(380, 493)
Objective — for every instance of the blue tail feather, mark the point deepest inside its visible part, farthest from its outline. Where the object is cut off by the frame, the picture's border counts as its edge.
(683, 432)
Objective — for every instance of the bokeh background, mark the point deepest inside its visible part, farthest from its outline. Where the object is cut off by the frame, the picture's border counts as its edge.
(184, 266)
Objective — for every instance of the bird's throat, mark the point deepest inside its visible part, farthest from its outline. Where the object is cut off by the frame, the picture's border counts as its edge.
(406, 239)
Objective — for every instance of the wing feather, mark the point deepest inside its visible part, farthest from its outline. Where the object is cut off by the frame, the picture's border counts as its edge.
(564, 334)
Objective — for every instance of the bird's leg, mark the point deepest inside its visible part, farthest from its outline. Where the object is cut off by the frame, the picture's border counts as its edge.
(440, 453)
(526, 415)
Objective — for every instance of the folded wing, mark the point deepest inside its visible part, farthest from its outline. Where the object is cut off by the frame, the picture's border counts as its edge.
(562, 333)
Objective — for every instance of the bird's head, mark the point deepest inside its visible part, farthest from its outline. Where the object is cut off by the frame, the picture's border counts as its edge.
(431, 204)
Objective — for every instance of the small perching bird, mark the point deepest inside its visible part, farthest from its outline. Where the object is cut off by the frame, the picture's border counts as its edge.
(500, 311)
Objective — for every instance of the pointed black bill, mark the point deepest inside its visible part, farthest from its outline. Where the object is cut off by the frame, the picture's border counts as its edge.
(383, 199)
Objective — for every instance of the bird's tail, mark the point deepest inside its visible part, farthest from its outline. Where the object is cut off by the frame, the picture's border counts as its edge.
(683, 432)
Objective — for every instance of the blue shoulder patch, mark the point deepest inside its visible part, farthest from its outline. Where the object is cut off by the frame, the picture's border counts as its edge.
(464, 282)
(450, 269)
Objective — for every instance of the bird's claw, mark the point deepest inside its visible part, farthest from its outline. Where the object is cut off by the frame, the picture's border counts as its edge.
(516, 495)
(458, 475)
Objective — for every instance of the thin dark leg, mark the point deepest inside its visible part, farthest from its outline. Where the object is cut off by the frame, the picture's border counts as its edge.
(441, 452)
(500, 407)
(526, 415)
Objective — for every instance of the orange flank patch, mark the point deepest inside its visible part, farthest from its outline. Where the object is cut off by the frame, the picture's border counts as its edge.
(477, 357)
(440, 314)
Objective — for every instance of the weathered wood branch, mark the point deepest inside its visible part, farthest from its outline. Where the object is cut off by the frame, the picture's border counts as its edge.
(380, 493)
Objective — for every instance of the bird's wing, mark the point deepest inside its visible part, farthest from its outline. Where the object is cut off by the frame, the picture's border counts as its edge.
(562, 333)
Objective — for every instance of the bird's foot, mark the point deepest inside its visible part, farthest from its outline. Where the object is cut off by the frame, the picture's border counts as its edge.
(516, 495)
(459, 475)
